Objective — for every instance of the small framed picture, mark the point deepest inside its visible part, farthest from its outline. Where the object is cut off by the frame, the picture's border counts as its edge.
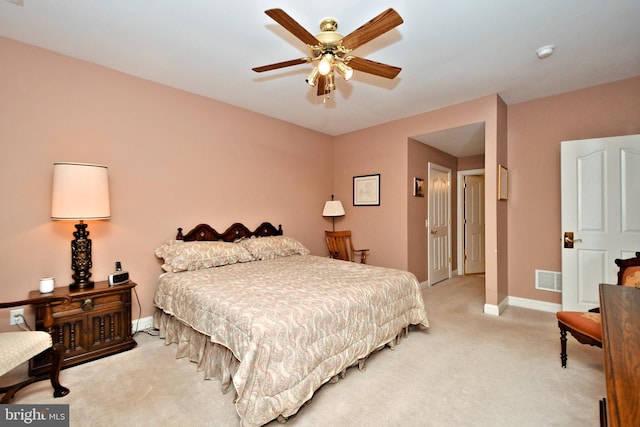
(418, 187)
(366, 190)
(503, 183)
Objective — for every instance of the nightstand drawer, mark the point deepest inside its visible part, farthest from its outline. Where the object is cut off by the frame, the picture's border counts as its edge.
(88, 303)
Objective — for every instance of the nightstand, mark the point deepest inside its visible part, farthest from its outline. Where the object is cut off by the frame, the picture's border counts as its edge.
(96, 323)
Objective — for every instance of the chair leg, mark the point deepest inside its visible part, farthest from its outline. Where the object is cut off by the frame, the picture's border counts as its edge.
(8, 392)
(56, 363)
(563, 346)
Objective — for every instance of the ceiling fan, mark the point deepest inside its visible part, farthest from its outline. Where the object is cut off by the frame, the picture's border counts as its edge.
(333, 51)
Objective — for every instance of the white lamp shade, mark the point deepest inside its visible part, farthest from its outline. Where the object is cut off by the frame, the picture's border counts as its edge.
(333, 208)
(80, 192)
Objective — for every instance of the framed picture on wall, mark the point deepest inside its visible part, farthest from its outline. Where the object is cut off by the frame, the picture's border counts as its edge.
(366, 190)
(503, 183)
(418, 187)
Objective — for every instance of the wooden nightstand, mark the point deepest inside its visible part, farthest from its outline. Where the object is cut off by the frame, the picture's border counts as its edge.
(96, 323)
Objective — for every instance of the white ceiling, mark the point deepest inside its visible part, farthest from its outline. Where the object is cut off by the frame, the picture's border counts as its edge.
(450, 51)
(461, 141)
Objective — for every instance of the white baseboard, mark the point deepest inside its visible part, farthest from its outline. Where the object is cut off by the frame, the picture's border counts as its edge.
(535, 304)
(495, 310)
(142, 323)
(491, 309)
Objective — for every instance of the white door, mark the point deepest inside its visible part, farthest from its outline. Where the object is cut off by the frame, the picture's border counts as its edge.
(600, 214)
(439, 223)
(473, 224)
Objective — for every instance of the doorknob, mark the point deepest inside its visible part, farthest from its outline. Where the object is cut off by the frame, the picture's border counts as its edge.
(434, 231)
(569, 240)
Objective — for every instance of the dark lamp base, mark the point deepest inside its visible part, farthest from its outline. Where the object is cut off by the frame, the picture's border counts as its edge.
(81, 285)
(81, 258)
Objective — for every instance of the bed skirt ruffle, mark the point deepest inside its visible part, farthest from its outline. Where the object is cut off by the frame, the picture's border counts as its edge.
(214, 360)
(218, 362)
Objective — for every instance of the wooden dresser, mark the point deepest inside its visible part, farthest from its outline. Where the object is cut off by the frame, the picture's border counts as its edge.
(620, 308)
(96, 323)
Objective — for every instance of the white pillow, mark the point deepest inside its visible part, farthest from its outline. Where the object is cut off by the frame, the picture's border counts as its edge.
(273, 247)
(189, 256)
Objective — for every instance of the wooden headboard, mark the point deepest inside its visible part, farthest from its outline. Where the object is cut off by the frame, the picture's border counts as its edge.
(237, 231)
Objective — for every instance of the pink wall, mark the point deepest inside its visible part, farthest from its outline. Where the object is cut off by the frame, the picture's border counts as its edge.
(175, 160)
(501, 231)
(384, 149)
(470, 163)
(536, 129)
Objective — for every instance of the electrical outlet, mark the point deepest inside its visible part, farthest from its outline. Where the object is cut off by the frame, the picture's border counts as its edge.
(15, 316)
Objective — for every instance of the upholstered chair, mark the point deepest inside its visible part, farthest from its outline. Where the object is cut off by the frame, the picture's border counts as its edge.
(19, 347)
(586, 326)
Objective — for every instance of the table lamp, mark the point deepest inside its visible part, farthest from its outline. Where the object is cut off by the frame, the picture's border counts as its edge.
(80, 192)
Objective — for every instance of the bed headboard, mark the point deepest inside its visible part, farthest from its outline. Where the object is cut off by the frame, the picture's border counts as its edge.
(237, 231)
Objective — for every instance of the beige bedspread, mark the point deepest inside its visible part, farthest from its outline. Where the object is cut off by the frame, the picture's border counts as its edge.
(292, 322)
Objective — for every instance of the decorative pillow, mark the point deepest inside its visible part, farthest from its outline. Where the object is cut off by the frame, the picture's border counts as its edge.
(273, 247)
(189, 256)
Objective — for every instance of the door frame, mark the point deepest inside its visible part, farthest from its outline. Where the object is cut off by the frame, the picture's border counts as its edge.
(460, 216)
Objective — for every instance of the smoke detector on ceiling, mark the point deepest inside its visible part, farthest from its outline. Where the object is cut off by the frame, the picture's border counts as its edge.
(545, 51)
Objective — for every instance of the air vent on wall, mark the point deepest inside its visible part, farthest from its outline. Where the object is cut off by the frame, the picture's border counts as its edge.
(549, 280)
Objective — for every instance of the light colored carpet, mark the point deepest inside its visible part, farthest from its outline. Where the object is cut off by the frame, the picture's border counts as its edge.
(468, 369)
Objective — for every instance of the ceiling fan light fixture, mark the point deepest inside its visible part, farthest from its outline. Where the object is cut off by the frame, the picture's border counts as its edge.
(330, 49)
(312, 79)
(326, 64)
(345, 71)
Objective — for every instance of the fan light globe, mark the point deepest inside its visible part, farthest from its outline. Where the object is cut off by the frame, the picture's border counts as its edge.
(345, 71)
(312, 79)
(324, 67)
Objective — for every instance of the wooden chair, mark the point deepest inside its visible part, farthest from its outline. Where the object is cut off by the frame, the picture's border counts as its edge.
(586, 326)
(340, 246)
(17, 348)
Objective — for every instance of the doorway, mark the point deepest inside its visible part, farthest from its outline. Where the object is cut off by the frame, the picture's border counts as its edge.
(439, 230)
(471, 222)
(466, 144)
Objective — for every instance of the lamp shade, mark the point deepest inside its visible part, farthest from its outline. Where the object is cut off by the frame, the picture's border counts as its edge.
(333, 208)
(80, 192)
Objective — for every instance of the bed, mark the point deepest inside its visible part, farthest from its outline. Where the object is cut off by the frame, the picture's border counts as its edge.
(257, 311)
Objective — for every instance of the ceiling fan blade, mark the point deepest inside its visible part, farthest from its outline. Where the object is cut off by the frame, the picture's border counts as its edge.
(379, 25)
(282, 18)
(373, 67)
(282, 64)
(322, 85)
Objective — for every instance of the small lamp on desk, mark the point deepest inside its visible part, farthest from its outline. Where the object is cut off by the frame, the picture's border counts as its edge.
(333, 208)
(80, 192)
